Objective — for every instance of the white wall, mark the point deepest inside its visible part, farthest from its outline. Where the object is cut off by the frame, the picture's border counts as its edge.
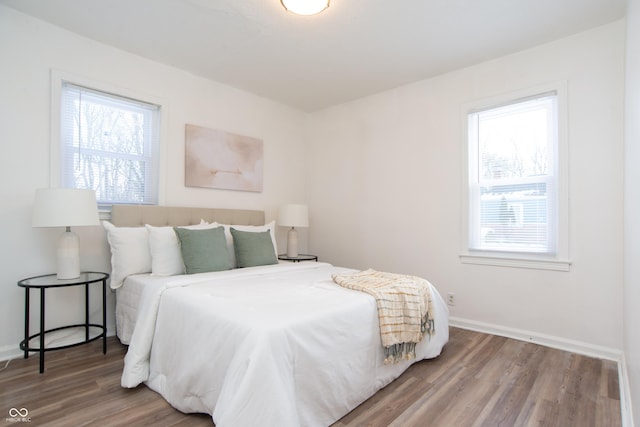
(385, 182)
(632, 208)
(30, 49)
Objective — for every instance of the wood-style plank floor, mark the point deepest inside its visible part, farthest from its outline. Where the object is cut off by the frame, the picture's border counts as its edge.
(479, 380)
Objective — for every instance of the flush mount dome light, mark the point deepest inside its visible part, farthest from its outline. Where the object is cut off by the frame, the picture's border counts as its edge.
(305, 7)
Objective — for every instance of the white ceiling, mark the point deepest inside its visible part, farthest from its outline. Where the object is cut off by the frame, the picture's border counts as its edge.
(353, 49)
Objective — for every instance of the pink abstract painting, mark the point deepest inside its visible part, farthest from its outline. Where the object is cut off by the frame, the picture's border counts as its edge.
(218, 159)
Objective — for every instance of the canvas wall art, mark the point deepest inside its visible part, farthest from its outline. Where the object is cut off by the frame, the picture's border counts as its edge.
(223, 160)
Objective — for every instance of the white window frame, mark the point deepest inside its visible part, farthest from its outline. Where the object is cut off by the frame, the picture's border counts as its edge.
(58, 78)
(559, 261)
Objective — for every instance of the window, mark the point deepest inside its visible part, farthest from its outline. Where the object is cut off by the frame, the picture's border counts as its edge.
(110, 144)
(515, 194)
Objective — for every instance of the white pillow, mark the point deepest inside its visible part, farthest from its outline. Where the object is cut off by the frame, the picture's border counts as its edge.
(164, 246)
(129, 252)
(253, 228)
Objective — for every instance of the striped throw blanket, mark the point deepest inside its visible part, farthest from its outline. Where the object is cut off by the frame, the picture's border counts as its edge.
(405, 309)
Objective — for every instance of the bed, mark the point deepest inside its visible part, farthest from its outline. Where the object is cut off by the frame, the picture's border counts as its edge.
(279, 344)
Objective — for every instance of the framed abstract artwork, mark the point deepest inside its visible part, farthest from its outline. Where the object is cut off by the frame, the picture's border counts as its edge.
(223, 160)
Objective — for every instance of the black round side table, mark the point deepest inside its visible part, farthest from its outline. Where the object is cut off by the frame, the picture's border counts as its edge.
(51, 281)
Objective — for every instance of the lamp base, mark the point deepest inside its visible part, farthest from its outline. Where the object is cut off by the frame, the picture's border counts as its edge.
(292, 243)
(68, 254)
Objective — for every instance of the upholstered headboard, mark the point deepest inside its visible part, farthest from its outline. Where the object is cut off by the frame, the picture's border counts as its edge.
(139, 215)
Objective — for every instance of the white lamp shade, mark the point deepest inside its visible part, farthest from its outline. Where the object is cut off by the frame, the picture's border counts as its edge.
(293, 216)
(64, 207)
(305, 7)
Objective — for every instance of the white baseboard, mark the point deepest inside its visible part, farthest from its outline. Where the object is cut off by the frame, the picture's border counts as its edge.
(9, 352)
(537, 338)
(625, 393)
(572, 346)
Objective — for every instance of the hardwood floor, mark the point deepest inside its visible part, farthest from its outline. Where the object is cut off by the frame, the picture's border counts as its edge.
(479, 380)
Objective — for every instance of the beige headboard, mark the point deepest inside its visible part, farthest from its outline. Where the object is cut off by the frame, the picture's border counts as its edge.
(139, 215)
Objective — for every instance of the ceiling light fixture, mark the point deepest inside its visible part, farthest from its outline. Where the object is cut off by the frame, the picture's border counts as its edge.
(305, 7)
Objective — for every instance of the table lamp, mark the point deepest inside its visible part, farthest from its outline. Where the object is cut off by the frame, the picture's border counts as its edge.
(293, 216)
(66, 207)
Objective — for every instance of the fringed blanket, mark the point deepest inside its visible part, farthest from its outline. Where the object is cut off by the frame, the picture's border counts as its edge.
(405, 309)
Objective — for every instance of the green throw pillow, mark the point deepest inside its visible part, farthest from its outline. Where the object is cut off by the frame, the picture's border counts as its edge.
(253, 248)
(204, 250)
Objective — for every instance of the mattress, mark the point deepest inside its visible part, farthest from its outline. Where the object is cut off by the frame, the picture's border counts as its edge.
(278, 345)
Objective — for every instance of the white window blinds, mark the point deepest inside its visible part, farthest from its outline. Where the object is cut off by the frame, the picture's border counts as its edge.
(109, 144)
(513, 179)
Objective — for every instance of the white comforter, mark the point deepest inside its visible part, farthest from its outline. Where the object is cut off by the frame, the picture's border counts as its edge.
(278, 345)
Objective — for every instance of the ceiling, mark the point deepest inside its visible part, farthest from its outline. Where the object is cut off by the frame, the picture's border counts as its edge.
(353, 49)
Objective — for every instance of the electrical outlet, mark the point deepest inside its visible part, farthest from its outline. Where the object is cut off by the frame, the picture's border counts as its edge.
(451, 299)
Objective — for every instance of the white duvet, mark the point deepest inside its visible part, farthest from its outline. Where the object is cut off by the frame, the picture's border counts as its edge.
(278, 345)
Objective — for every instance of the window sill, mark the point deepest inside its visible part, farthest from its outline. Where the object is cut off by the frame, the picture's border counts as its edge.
(516, 262)
(104, 214)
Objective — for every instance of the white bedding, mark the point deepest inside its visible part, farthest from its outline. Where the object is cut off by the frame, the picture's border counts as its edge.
(128, 300)
(278, 345)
